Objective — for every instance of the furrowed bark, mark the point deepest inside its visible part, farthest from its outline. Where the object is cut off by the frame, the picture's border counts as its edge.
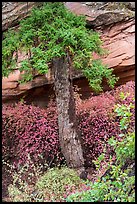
(68, 135)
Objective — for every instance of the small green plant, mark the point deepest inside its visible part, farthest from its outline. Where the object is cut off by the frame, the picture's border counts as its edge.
(125, 148)
(98, 161)
(54, 182)
(24, 179)
(123, 96)
(124, 112)
(53, 185)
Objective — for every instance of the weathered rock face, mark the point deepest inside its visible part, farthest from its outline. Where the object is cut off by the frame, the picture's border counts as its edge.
(13, 12)
(116, 25)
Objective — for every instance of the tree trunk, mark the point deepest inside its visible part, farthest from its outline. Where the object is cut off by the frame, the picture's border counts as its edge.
(68, 134)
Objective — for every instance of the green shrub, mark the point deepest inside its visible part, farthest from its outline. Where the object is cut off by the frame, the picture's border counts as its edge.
(55, 180)
(55, 185)
(23, 184)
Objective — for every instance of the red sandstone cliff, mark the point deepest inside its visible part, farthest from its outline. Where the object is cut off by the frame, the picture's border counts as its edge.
(116, 26)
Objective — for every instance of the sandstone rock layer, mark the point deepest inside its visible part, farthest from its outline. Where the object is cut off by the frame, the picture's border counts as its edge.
(118, 35)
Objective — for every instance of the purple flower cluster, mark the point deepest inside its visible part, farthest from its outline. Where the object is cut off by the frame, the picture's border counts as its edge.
(29, 130)
(98, 122)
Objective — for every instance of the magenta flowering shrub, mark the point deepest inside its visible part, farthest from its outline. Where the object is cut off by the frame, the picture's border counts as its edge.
(98, 122)
(29, 130)
(95, 131)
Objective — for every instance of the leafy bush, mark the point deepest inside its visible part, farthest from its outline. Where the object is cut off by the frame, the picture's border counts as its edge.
(29, 130)
(95, 132)
(125, 148)
(59, 182)
(107, 190)
(54, 185)
(22, 186)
